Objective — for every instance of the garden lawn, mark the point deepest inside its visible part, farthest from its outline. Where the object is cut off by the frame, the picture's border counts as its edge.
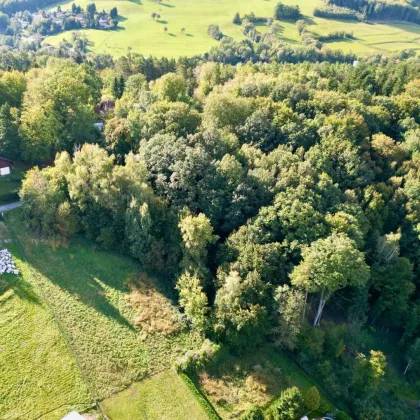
(139, 32)
(163, 396)
(38, 374)
(10, 185)
(89, 293)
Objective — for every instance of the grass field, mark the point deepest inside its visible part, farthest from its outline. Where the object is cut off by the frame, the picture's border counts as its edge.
(10, 185)
(138, 31)
(163, 396)
(90, 294)
(38, 375)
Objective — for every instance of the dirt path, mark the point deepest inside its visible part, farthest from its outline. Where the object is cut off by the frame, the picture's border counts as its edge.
(10, 206)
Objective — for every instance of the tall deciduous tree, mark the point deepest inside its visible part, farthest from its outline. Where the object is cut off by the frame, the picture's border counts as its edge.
(329, 265)
(10, 141)
(193, 300)
(197, 235)
(290, 305)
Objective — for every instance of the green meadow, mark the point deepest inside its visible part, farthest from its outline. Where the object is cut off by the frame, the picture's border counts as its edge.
(80, 324)
(140, 33)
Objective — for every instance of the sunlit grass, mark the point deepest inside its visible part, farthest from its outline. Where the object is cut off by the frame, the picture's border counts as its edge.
(139, 32)
(38, 375)
(163, 396)
(88, 291)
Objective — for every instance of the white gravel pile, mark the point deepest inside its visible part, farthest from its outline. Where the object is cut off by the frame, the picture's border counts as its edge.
(7, 264)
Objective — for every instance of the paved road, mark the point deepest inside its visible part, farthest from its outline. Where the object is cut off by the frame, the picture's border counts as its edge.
(10, 206)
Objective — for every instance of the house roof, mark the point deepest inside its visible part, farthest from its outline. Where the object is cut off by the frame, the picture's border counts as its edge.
(7, 160)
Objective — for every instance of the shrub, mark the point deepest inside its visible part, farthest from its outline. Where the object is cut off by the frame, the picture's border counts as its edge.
(289, 406)
(195, 359)
(254, 413)
(215, 32)
(312, 399)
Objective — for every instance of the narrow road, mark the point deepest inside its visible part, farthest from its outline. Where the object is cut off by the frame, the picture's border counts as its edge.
(10, 206)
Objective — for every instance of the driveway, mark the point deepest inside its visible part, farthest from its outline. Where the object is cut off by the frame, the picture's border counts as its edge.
(10, 206)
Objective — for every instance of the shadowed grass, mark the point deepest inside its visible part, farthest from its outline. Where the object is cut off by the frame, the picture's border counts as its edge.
(88, 292)
(38, 374)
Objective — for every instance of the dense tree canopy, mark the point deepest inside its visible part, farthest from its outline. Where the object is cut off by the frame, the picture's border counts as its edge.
(272, 196)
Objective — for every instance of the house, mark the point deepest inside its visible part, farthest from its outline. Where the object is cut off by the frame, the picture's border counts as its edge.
(103, 23)
(105, 106)
(5, 166)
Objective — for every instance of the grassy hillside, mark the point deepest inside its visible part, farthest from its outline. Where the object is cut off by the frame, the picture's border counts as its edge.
(138, 31)
(38, 375)
(118, 325)
(163, 396)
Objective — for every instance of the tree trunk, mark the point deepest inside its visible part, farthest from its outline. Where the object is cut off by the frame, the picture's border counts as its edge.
(408, 366)
(411, 358)
(304, 306)
(322, 302)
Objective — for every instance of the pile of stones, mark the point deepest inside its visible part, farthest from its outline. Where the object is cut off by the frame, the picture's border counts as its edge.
(7, 264)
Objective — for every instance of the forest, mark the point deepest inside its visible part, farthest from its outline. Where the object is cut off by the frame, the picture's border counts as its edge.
(280, 199)
(377, 10)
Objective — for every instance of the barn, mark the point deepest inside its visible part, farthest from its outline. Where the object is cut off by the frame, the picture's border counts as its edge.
(5, 166)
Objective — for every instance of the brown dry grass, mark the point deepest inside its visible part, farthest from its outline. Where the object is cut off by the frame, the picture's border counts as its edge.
(154, 312)
(241, 386)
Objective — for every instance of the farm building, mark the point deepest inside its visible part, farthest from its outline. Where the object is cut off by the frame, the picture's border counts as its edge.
(5, 166)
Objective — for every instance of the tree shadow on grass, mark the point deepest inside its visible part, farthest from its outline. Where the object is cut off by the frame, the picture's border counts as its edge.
(161, 21)
(86, 274)
(20, 287)
(189, 35)
(167, 5)
(171, 34)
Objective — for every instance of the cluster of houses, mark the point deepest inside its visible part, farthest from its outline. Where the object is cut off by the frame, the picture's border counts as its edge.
(22, 20)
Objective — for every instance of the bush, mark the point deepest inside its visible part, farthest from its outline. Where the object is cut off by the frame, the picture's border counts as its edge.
(237, 19)
(336, 35)
(312, 399)
(195, 359)
(254, 413)
(215, 32)
(288, 406)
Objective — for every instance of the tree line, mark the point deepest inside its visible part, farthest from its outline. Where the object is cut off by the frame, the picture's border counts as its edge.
(379, 9)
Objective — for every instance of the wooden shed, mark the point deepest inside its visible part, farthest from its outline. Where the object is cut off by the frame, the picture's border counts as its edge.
(5, 166)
